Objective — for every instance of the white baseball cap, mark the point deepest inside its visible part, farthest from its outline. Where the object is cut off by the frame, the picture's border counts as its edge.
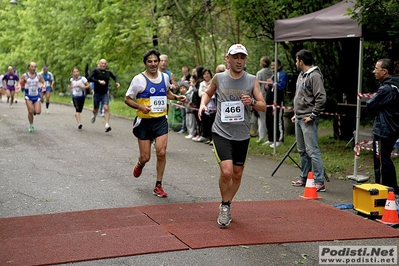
(237, 49)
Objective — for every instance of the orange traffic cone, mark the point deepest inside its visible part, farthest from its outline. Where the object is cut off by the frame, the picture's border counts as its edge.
(390, 215)
(310, 188)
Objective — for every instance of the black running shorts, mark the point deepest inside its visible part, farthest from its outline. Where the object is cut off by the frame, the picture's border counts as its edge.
(150, 128)
(225, 149)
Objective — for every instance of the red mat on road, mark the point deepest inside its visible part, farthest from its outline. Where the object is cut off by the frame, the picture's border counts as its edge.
(99, 234)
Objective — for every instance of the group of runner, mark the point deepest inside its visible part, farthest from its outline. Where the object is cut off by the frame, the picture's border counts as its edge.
(237, 93)
(34, 85)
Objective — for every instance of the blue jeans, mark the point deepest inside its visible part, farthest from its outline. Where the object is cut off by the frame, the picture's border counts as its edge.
(309, 151)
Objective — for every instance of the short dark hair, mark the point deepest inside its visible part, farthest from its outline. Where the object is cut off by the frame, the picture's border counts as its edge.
(305, 56)
(278, 62)
(386, 63)
(207, 70)
(151, 52)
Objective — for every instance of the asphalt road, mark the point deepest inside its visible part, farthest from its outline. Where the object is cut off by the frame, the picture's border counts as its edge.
(59, 168)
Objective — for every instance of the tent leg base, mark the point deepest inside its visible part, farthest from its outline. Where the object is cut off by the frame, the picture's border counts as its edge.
(358, 178)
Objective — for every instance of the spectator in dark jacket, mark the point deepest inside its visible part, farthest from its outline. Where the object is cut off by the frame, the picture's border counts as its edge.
(385, 105)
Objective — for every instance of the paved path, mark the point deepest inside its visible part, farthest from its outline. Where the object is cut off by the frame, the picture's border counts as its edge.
(59, 168)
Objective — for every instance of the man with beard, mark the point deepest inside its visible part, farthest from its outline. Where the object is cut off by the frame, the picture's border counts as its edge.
(309, 101)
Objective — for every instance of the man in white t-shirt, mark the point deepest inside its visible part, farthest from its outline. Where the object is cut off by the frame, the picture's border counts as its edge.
(150, 89)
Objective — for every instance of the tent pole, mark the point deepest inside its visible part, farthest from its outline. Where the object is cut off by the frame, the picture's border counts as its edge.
(275, 97)
(355, 176)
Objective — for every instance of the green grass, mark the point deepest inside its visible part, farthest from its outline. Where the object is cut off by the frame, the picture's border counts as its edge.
(338, 159)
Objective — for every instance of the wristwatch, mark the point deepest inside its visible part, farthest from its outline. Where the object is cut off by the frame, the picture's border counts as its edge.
(253, 102)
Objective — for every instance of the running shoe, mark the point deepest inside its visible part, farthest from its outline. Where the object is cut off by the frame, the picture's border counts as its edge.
(138, 169)
(80, 126)
(320, 188)
(158, 191)
(47, 111)
(298, 183)
(200, 139)
(108, 129)
(189, 136)
(93, 119)
(31, 128)
(224, 218)
(278, 144)
(267, 143)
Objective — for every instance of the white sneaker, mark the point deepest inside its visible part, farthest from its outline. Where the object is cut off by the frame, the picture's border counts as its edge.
(189, 136)
(260, 140)
(195, 138)
(47, 111)
(278, 144)
(267, 143)
(200, 139)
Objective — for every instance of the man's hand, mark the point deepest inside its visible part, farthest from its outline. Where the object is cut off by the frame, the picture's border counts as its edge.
(181, 98)
(307, 119)
(246, 100)
(145, 108)
(201, 109)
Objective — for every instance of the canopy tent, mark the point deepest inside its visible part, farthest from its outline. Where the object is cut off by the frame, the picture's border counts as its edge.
(326, 24)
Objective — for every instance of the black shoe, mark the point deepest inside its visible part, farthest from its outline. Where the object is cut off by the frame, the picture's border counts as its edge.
(108, 129)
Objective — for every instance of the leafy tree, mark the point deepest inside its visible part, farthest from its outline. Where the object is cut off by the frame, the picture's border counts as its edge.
(380, 16)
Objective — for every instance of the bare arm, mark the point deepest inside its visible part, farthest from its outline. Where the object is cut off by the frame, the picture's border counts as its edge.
(22, 79)
(171, 96)
(41, 79)
(260, 102)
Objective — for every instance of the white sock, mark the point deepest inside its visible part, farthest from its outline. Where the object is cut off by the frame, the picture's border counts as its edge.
(106, 125)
